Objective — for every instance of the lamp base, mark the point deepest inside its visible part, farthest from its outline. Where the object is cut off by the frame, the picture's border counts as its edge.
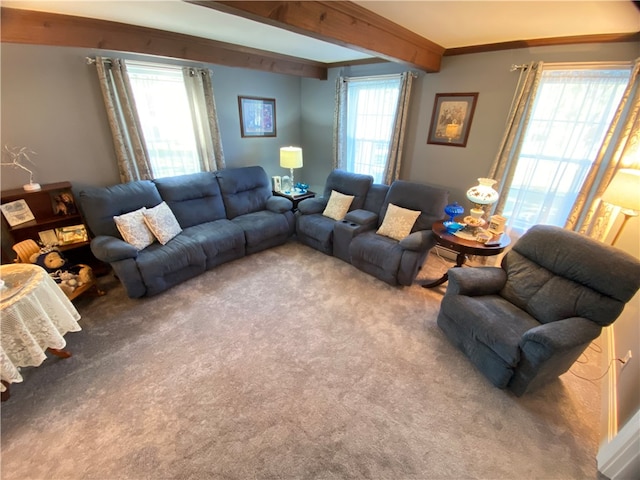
(31, 187)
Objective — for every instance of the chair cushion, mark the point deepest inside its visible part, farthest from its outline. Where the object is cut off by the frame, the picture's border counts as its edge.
(244, 190)
(315, 226)
(134, 230)
(492, 320)
(338, 205)
(349, 183)
(398, 222)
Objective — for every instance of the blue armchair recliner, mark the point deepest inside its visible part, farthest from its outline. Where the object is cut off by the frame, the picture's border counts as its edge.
(525, 323)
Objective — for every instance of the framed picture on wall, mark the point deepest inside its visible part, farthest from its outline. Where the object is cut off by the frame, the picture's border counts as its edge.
(451, 118)
(257, 116)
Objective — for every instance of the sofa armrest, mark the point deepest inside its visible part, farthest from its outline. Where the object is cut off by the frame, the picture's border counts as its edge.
(475, 281)
(312, 205)
(419, 241)
(561, 335)
(112, 249)
(279, 204)
(362, 217)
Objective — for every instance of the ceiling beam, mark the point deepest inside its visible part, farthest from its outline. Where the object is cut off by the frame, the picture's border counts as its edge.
(40, 28)
(544, 42)
(340, 22)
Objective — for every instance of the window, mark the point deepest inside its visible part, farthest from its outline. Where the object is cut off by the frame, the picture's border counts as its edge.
(371, 113)
(165, 117)
(570, 116)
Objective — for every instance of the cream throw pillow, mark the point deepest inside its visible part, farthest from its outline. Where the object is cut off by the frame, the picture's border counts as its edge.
(162, 222)
(133, 229)
(398, 222)
(338, 205)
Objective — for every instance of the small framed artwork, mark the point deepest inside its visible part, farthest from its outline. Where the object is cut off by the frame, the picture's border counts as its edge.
(451, 118)
(257, 116)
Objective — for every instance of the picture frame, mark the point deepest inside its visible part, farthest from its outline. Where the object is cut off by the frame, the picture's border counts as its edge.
(451, 118)
(257, 116)
(17, 212)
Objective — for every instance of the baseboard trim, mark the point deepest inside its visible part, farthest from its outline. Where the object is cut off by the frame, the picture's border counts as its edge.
(620, 458)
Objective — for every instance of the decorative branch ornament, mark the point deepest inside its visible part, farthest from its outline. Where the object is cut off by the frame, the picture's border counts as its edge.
(18, 156)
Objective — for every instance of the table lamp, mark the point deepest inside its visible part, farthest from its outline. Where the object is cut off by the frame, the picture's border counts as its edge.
(291, 157)
(481, 195)
(624, 192)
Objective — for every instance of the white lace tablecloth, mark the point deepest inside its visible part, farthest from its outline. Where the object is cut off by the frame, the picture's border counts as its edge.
(35, 316)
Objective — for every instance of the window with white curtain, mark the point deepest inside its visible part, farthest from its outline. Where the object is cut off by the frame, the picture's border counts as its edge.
(371, 110)
(571, 114)
(165, 118)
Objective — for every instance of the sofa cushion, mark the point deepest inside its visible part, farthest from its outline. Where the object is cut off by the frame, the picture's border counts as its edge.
(398, 222)
(244, 190)
(134, 230)
(216, 237)
(101, 204)
(262, 226)
(349, 183)
(338, 205)
(162, 222)
(194, 198)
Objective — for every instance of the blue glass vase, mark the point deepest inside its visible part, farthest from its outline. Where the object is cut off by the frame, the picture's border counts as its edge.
(453, 210)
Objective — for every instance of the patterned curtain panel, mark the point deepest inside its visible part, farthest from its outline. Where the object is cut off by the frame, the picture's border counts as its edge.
(205, 118)
(340, 124)
(620, 149)
(392, 169)
(504, 165)
(131, 152)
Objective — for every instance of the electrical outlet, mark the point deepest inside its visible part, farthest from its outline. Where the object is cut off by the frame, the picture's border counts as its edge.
(627, 357)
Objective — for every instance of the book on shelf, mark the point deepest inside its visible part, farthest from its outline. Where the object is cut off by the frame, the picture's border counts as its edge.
(72, 234)
(17, 212)
(48, 238)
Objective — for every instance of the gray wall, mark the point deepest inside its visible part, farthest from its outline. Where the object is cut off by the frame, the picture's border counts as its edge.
(52, 103)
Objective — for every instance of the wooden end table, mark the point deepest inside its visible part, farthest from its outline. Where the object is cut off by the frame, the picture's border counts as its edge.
(296, 198)
(465, 247)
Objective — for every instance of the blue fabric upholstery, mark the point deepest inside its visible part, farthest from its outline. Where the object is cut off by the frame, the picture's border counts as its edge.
(244, 190)
(525, 323)
(397, 262)
(224, 216)
(316, 230)
(193, 199)
(100, 205)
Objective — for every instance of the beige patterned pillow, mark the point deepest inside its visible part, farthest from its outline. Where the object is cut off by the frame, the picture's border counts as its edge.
(133, 229)
(398, 222)
(162, 222)
(338, 205)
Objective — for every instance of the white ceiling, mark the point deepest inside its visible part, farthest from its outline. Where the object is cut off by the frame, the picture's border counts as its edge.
(452, 23)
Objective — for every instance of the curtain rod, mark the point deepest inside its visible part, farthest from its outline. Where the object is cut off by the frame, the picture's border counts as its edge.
(515, 67)
(378, 77)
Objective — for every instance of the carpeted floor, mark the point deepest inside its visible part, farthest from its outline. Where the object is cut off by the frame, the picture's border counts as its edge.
(286, 364)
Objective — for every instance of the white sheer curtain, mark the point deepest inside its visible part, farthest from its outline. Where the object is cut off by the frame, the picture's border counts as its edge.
(163, 118)
(369, 124)
(562, 132)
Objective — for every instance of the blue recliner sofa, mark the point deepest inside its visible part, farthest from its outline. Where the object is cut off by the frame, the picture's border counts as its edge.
(223, 216)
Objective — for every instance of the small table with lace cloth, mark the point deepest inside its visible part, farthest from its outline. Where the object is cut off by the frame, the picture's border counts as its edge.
(35, 316)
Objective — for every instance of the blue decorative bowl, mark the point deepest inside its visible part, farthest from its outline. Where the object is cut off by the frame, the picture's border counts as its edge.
(453, 210)
(453, 227)
(302, 187)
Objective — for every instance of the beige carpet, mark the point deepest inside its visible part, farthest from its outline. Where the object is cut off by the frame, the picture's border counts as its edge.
(285, 364)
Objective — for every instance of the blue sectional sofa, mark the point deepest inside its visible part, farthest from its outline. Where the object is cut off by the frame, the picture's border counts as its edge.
(223, 216)
(355, 238)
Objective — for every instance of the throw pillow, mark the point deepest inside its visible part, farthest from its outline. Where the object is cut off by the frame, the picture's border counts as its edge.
(338, 205)
(133, 229)
(398, 222)
(162, 222)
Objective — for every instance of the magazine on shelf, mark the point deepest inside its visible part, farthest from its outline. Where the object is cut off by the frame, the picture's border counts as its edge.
(17, 212)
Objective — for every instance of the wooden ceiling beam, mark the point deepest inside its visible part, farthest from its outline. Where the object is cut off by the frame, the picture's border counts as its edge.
(340, 22)
(40, 28)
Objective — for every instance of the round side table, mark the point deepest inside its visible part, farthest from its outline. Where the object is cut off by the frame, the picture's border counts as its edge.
(465, 247)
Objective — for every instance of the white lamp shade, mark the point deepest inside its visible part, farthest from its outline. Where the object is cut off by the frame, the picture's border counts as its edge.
(483, 193)
(624, 190)
(291, 157)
